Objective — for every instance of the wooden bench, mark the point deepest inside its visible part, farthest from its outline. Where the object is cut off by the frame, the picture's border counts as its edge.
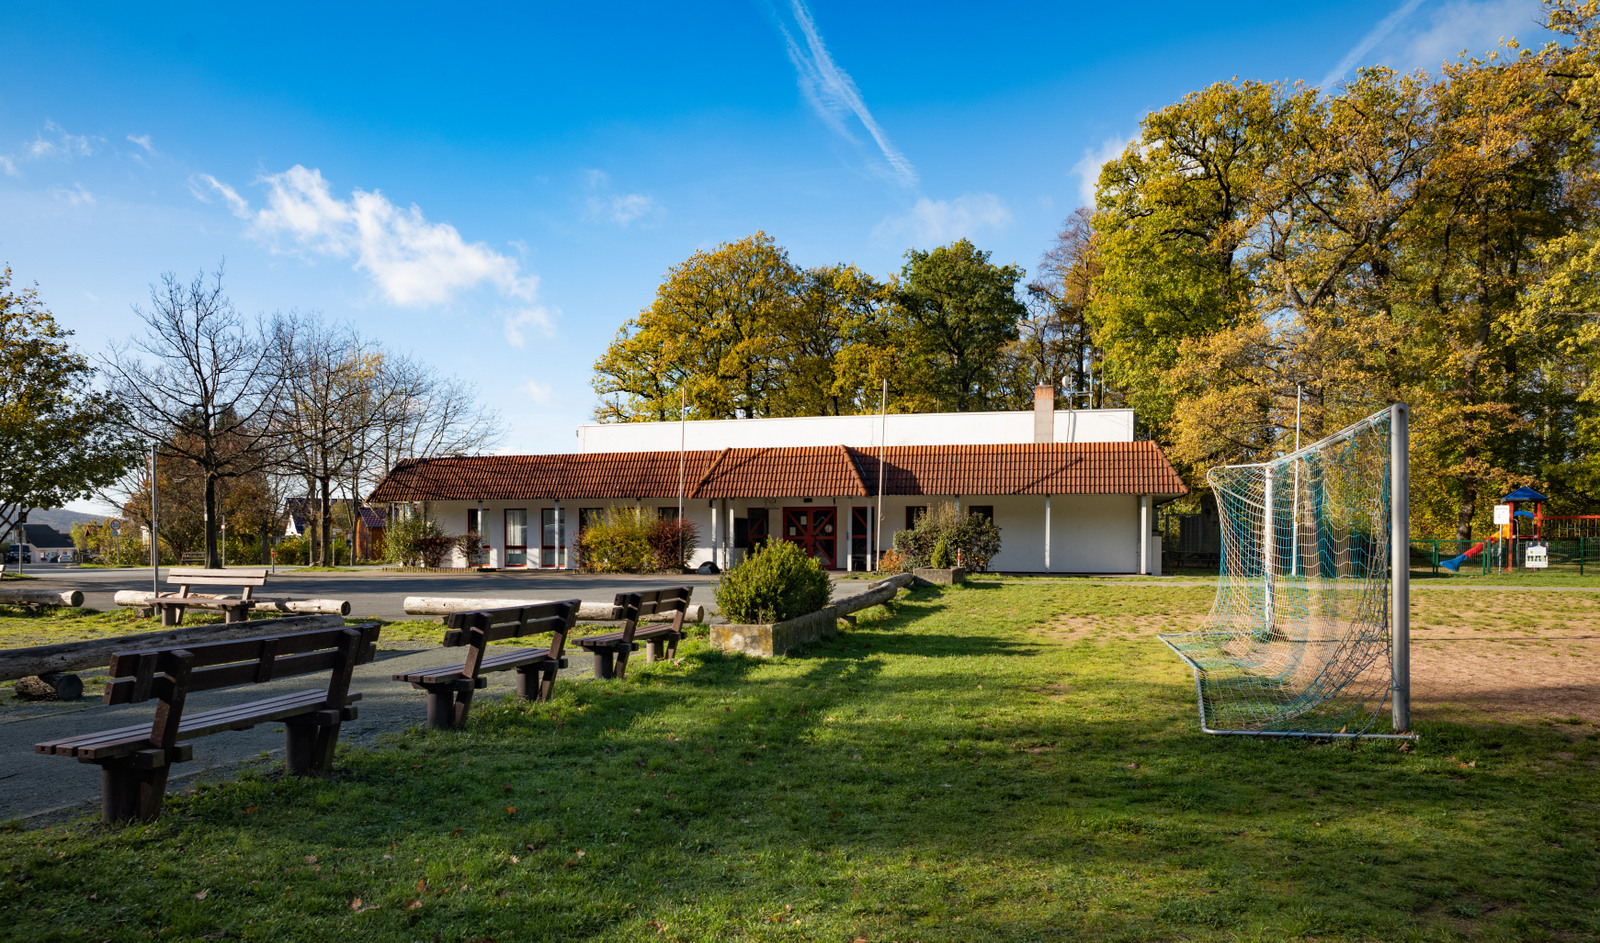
(193, 556)
(234, 608)
(134, 761)
(611, 650)
(450, 688)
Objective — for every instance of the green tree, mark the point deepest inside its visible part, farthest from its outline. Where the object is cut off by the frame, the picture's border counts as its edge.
(59, 442)
(958, 312)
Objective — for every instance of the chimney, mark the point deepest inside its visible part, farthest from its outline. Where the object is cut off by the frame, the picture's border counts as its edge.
(1044, 414)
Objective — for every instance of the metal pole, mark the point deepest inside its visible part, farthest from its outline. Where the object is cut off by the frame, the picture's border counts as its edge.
(1400, 565)
(883, 433)
(1294, 552)
(683, 445)
(155, 531)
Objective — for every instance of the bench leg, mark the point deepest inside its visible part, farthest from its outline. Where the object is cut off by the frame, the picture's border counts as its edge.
(672, 648)
(300, 747)
(652, 650)
(231, 616)
(535, 682)
(127, 792)
(447, 707)
(172, 615)
(604, 664)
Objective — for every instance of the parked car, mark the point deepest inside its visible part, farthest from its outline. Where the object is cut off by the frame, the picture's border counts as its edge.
(26, 553)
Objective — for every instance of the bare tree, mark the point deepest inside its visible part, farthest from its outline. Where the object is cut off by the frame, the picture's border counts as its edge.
(430, 414)
(200, 383)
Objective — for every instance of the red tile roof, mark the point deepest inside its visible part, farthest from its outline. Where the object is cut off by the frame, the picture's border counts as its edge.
(1059, 468)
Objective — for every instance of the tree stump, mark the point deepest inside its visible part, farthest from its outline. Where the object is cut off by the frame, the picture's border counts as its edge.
(61, 686)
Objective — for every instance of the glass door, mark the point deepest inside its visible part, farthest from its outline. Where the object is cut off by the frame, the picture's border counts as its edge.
(552, 526)
(516, 537)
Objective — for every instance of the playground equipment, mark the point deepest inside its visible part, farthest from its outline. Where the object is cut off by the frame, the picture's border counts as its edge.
(1505, 541)
(1309, 633)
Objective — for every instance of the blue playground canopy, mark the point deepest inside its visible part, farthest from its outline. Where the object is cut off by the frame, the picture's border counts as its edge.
(1525, 494)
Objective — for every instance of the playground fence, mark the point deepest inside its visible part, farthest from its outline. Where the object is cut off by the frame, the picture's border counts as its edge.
(1565, 556)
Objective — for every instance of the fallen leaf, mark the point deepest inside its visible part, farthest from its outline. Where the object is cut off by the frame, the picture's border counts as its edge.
(355, 904)
(511, 810)
(311, 859)
(414, 905)
(202, 895)
(580, 852)
(422, 885)
(515, 860)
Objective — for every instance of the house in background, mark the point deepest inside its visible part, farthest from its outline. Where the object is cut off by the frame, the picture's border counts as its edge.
(300, 515)
(44, 544)
(1070, 490)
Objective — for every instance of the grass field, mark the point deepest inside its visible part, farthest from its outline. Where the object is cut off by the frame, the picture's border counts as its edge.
(1002, 762)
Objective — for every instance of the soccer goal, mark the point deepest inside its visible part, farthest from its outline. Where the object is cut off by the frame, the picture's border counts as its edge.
(1309, 633)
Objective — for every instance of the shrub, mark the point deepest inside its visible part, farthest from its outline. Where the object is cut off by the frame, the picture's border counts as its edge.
(775, 582)
(619, 542)
(940, 558)
(672, 541)
(418, 541)
(892, 561)
(972, 538)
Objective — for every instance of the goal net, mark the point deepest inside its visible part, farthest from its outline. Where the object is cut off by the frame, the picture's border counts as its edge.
(1308, 633)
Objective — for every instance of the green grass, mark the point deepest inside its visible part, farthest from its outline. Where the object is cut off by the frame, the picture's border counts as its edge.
(945, 773)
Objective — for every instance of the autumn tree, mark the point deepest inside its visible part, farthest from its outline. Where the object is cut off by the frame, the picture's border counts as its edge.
(201, 382)
(59, 441)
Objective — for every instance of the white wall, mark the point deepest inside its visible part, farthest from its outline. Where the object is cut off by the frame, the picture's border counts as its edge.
(1088, 533)
(1000, 428)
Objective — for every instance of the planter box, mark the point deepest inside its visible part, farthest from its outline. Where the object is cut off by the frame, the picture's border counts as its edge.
(941, 577)
(776, 638)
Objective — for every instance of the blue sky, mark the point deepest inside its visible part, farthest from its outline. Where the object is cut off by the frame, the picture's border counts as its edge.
(496, 189)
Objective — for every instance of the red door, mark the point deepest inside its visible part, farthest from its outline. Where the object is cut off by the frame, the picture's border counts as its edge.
(815, 531)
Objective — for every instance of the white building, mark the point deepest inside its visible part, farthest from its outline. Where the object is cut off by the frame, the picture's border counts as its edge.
(1070, 490)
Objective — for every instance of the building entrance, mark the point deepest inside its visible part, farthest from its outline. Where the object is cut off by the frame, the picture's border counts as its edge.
(816, 531)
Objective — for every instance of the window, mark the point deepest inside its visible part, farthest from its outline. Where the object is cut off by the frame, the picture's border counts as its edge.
(914, 513)
(472, 522)
(516, 536)
(985, 511)
(588, 516)
(668, 514)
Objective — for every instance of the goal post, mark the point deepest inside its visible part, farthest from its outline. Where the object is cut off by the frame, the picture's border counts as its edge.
(1309, 634)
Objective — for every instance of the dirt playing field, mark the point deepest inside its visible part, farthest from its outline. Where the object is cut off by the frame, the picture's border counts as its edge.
(1485, 656)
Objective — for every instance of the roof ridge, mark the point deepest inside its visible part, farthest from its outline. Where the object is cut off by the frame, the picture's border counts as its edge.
(855, 469)
(710, 470)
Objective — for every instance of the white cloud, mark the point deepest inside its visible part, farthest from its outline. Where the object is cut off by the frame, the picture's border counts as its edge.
(1087, 170)
(8, 165)
(143, 141)
(624, 208)
(833, 95)
(539, 394)
(1474, 27)
(935, 222)
(77, 196)
(237, 204)
(411, 261)
(535, 317)
(60, 144)
(1444, 31)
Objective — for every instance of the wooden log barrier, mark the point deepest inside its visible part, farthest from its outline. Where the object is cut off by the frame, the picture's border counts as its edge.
(41, 597)
(339, 607)
(876, 594)
(77, 656)
(587, 612)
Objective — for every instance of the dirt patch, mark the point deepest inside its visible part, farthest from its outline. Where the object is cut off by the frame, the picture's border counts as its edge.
(1482, 656)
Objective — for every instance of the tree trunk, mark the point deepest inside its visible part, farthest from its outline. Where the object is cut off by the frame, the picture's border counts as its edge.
(213, 560)
(325, 523)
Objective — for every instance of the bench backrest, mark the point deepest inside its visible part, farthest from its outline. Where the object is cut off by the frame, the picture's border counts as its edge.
(233, 576)
(634, 606)
(478, 629)
(162, 673)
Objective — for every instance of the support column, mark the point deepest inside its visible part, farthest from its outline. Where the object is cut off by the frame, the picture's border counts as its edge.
(1400, 566)
(716, 533)
(849, 542)
(1144, 535)
(1047, 533)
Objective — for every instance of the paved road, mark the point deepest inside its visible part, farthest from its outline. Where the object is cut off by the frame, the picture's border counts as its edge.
(378, 593)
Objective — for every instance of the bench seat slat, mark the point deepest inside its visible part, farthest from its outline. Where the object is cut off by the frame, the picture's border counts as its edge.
(243, 572)
(122, 741)
(642, 635)
(502, 661)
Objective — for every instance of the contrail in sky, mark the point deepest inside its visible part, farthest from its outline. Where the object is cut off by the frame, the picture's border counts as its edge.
(832, 94)
(1373, 37)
